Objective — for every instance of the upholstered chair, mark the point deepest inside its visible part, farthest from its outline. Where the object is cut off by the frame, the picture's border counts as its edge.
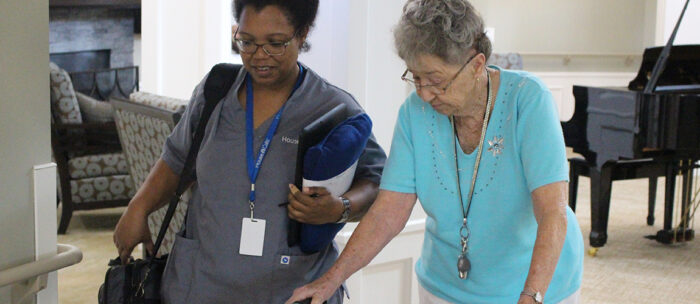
(144, 122)
(92, 170)
(510, 61)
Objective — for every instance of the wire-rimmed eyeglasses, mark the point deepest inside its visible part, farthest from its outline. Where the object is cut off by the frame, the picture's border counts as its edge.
(434, 88)
(270, 48)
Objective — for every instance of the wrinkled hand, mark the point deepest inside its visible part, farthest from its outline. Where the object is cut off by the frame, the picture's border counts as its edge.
(314, 205)
(131, 230)
(319, 290)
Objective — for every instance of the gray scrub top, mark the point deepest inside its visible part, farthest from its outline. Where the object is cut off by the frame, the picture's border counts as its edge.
(204, 265)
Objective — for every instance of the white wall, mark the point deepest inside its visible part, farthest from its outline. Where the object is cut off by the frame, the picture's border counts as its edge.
(689, 30)
(553, 26)
(24, 124)
(137, 51)
(329, 42)
(377, 80)
(181, 41)
(575, 36)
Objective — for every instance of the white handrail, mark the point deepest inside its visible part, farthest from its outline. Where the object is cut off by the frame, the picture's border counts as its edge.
(65, 256)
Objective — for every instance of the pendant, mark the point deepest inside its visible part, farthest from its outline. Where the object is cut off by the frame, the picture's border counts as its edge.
(463, 266)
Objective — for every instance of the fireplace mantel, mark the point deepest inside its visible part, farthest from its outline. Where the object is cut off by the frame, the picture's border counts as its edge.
(122, 4)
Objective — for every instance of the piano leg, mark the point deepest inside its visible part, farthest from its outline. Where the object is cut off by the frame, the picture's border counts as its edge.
(652, 200)
(573, 185)
(577, 167)
(687, 195)
(682, 233)
(671, 172)
(686, 232)
(601, 186)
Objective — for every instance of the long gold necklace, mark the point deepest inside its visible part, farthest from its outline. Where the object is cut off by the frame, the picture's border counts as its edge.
(463, 264)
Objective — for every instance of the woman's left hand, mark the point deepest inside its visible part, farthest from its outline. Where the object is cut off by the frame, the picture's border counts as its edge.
(314, 205)
(319, 290)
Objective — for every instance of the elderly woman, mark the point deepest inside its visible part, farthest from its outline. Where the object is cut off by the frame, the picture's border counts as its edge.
(482, 149)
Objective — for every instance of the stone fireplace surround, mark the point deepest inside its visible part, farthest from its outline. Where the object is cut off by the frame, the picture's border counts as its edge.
(88, 36)
(78, 28)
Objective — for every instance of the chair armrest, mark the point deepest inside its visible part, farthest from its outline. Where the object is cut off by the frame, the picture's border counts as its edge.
(85, 148)
(89, 137)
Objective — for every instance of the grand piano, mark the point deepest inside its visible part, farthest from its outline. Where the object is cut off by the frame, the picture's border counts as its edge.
(649, 129)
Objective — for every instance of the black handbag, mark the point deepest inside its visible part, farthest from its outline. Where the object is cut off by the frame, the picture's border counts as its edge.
(138, 282)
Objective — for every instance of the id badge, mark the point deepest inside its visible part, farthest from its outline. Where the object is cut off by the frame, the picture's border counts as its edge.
(252, 237)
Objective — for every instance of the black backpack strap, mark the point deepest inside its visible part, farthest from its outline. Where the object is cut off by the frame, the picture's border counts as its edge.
(217, 85)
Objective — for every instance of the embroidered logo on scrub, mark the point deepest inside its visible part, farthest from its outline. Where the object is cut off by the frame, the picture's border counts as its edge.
(289, 140)
(496, 145)
(284, 260)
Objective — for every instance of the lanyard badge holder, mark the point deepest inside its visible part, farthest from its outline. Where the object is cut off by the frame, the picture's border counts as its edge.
(252, 229)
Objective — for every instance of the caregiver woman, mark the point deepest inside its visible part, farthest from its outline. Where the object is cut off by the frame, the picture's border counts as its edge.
(482, 149)
(234, 245)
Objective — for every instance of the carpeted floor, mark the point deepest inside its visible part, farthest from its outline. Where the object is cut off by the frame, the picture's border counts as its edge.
(629, 269)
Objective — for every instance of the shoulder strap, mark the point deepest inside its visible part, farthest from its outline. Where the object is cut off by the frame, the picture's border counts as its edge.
(217, 85)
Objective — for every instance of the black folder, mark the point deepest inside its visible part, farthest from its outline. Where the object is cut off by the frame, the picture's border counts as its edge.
(311, 135)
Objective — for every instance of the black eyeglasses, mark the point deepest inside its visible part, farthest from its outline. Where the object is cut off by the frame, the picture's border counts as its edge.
(270, 48)
(433, 88)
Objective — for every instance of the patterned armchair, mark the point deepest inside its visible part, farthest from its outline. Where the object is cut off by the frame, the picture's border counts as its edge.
(144, 122)
(510, 61)
(91, 168)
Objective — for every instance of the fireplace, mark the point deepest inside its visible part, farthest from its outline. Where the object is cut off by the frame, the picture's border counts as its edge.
(95, 44)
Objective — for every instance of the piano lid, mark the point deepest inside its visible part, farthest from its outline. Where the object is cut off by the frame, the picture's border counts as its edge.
(653, 79)
(682, 68)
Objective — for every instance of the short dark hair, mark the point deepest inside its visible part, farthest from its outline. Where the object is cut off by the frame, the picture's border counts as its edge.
(301, 13)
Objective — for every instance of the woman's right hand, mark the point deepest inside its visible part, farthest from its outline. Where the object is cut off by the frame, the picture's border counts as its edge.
(318, 291)
(131, 230)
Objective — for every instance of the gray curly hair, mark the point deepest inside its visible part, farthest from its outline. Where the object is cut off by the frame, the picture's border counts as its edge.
(448, 29)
